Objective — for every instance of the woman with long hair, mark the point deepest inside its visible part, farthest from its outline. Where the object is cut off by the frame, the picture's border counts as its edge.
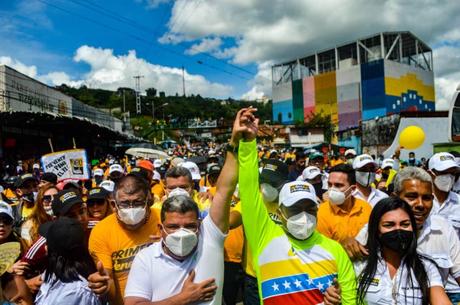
(41, 213)
(69, 265)
(395, 273)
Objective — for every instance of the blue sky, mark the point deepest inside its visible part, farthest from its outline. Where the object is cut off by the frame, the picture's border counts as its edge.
(226, 46)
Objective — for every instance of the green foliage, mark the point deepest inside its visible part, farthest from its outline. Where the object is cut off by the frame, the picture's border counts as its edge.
(321, 121)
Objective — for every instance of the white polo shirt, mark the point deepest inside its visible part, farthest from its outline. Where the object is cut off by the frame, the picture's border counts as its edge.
(387, 291)
(155, 276)
(438, 241)
(450, 210)
(374, 197)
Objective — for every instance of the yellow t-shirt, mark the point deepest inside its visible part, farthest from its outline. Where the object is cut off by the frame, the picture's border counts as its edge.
(158, 190)
(26, 212)
(337, 224)
(233, 246)
(116, 247)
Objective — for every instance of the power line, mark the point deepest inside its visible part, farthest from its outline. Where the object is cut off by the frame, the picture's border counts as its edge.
(134, 24)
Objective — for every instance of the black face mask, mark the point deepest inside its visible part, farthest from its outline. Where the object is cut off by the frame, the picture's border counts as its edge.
(98, 179)
(397, 240)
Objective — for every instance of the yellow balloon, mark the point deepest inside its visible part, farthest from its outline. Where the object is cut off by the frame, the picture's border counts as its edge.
(411, 137)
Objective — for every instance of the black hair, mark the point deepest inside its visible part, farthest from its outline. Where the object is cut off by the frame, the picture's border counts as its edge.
(180, 204)
(346, 169)
(411, 260)
(132, 184)
(300, 155)
(69, 267)
(177, 172)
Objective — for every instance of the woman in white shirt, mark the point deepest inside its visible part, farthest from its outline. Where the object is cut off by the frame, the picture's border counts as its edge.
(394, 272)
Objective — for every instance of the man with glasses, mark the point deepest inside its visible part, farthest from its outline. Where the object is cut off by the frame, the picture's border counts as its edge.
(187, 266)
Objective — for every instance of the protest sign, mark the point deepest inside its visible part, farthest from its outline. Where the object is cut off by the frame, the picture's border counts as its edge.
(67, 164)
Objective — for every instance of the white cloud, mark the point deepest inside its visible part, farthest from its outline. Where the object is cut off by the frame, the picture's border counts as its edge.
(277, 30)
(19, 66)
(59, 78)
(261, 85)
(111, 71)
(206, 45)
(153, 4)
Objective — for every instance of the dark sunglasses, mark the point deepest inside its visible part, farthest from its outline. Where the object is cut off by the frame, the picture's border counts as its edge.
(47, 198)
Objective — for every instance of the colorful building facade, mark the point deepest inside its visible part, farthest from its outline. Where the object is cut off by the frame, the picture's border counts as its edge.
(386, 73)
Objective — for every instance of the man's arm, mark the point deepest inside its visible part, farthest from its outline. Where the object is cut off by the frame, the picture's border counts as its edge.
(220, 208)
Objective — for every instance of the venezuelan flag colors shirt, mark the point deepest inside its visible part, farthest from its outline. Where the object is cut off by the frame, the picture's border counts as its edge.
(289, 271)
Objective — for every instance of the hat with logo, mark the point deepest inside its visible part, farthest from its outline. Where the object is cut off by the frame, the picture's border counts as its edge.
(310, 172)
(116, 168)
(98, 172)
(274, 172)
(388, 163)
(139, 172)
(193, 168)
(97, 193)
(292, 192)
(63, 236)
(64, 201)
(176, 161)
(23, 179)
(214, 169)
(315, 155)
(363, 160)
(108, 185)
(50, 177)
(6, 209)
(442, 161)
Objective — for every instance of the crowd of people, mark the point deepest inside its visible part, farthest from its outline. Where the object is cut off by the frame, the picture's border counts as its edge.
(245, 224)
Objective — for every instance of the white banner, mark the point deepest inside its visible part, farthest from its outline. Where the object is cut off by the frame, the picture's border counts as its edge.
(67, 164)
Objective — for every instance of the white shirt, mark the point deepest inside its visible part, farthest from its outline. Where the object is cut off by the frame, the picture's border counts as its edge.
(73, 293)
(374, 197)
(438, 241)
(384, 290)
(156, 276)
(449, 209)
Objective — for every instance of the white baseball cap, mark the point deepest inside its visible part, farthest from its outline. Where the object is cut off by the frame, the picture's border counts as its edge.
(350, 151)
(36, 166)
(292, 192)
(6, 209)
(115, 168)
(193, 168)
(157, 163)
(442, 161)
(310, 172)
(363, 160)
(388, 163)
(98, 172)
(108, 185)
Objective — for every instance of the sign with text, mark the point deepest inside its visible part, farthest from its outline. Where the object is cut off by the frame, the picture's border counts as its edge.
(67, 164)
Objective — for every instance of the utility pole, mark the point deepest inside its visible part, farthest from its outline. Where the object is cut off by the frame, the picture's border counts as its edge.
(183, 81)
(138, 91)
(124, 106)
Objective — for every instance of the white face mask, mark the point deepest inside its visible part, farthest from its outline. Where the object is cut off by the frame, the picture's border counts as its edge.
(131, 216)
(269, 193)
(182, 242)
(302, 225)
(365, 178)
(336, 196)
(49, 210)
(444, 182)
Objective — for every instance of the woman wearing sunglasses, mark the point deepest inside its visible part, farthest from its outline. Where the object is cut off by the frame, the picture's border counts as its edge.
(41, 213)
(98, 205)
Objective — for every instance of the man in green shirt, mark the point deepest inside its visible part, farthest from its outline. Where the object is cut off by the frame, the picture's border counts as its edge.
(294, 263)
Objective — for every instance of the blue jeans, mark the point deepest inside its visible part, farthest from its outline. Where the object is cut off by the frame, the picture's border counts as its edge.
(454, 298)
